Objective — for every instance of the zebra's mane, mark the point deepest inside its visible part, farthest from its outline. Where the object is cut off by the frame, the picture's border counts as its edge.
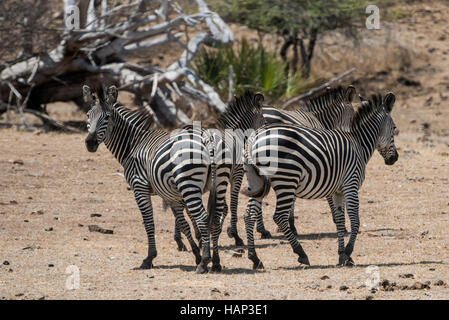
(140, 120)
(323, 99)
(367, 109)
(239, 111)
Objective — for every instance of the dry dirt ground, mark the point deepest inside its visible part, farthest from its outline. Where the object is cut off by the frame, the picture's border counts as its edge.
(50, 186)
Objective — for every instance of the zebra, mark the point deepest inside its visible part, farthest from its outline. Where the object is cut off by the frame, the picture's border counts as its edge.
(179, 167)
(329, 109)
(241, 115)
(152, 168)
(297, 161)
(325, 110)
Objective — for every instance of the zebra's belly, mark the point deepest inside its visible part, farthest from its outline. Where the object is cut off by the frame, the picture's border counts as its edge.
(308, 189)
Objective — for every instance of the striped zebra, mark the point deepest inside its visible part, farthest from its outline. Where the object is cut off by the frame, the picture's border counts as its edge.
(297, 161)
(152, 168)
(179, 167)
(329, 109)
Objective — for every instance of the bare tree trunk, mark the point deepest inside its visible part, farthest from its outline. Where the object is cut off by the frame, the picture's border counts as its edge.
(97, 56)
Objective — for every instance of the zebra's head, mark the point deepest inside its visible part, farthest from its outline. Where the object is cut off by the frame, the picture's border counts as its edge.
(385, 143)
(98, 116)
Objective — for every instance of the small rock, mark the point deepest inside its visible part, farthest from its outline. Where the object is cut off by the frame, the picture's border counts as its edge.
(406, 275)
(6, 263)
(18, 161)
(93, 215)
(95, 228)
(408, 82)
(234, 254)
(329, 286)
(38, 212)
(51, 265)
(32, 247)
(325, 277)
(19, 294)
(343, 288)
(13, 202)
(215, 290)
(49, 229)
(80, 225)
(439, 283)
(369, 298)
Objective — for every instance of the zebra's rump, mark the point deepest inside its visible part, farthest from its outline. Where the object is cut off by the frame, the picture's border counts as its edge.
(180, 165)
(310, 161)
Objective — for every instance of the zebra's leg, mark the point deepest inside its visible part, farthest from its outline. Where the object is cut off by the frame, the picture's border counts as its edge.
(264, 233)
(182, 224)
(195, 229)
(177, 236)
(284, 201)
(250, 216)
(291, 219)
(221, 210)
(331, 205)
(194, 204)
(142, 195)
(236, 183)
(352, 206)
(336, 204)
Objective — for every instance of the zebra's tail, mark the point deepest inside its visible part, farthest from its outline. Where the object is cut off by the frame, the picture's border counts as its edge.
(212, 201)
(258, 185)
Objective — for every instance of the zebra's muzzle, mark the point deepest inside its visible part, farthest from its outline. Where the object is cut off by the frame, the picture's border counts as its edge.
(91, 143)
(392, 159)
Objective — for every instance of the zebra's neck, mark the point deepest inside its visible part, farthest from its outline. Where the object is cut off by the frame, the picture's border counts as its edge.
(366, 132)
(126, 127)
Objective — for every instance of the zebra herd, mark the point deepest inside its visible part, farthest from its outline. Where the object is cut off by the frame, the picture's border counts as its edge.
(319, 150)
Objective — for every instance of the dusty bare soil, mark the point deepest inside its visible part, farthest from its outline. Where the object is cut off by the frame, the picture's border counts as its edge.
(50, 186)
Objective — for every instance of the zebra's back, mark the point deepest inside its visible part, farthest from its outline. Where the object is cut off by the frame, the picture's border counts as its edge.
(313, 161)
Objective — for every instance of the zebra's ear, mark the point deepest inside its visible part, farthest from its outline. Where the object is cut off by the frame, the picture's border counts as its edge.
(258, 99)
(112, 94)
(361, 98)
(88, 97)
(389, 101)
(350, 93)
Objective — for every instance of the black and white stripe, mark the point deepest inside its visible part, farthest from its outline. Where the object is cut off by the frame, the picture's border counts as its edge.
(297, 161)
(328, 109)
(157, 163)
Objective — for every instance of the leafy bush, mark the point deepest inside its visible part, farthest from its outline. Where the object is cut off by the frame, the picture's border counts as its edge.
(254, 68)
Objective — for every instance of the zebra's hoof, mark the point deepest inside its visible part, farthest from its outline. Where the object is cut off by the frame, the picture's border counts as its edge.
(216, 268)
(229, 232)
(265, 234)
(258, 265)
(182, 247)
(304, 260)
(344, 260)
(144, 266)
(200, 269)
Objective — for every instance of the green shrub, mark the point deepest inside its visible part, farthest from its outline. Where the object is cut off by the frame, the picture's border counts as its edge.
(254, 68)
